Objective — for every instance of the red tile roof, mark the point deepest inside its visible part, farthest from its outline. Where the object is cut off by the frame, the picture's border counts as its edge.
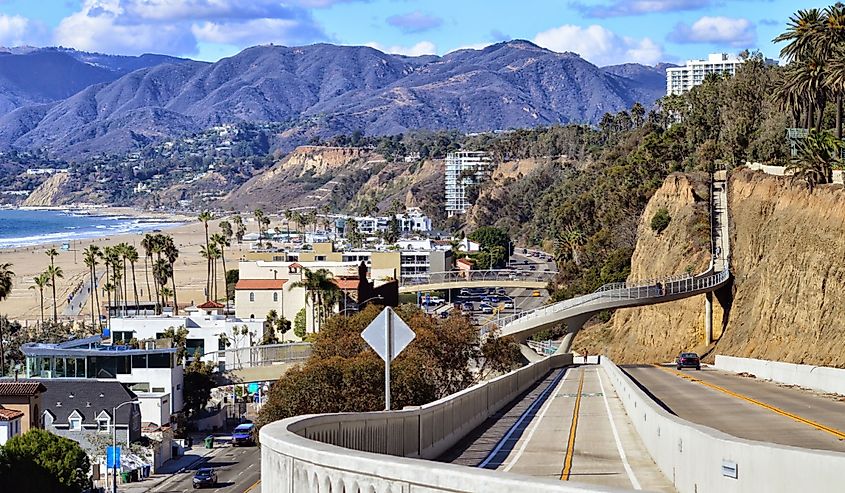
(295, 265)
(9, 414)
(210, 304)
(346, 284)
(260, 284)
(21, 388)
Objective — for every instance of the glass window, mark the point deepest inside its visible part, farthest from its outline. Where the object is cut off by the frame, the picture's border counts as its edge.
(70, 367)
(123, 365)
(103, 425)
(60, 368)
(159, 360)
(75, 424)
(275, 297)
(139, 361)
(195, 347)
(251, 297)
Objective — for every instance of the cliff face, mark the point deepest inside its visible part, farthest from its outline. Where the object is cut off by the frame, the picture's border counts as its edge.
(48, 193)
(788, 246)
(659, 332)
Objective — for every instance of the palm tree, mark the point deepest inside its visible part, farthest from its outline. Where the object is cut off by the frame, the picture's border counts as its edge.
(162, 271)
(52, 253)
(6, 278)
(91, 254)
(207, 253)
(171, 253)
(222, 242)
(148, 244)
(226, 229)
(568, 244)
(54, 271)
(320, 291)
(204, 217)
(259, 218)
(131, 254)
(816, 155)
(240, 229)
(41, 281)
(802, 34)
(214, 255)
(122, 251)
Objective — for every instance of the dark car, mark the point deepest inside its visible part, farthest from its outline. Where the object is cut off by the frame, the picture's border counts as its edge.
(205, 477)
(688, 360)
(243, 435)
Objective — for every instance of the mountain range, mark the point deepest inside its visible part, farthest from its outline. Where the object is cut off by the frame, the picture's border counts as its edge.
(73, 104)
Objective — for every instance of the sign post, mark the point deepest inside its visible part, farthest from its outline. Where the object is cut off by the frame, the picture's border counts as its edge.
(388, 335)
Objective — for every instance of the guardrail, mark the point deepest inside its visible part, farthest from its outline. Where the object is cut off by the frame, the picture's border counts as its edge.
(480, 276)
(546, 348)
(315, 453)
(270, 354)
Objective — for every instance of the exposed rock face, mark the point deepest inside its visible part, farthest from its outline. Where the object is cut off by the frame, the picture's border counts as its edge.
(48, 193)
(658, 332)
(788, 251)
(788, 246)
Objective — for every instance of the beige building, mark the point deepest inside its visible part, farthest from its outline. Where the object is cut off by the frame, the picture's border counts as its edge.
(26, 398)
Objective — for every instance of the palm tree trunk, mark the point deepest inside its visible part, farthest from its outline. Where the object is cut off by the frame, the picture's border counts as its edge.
(135, 288)
(225, 282)
(839, 116)
(108, 299)
(96, 294)
(91, 293)
(41, 302)
(55, 310)
(173, 283)
(125, 288)
(147, 275)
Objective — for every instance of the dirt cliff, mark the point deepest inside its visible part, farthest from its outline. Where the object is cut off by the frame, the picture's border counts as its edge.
(48, 193)
(788, 246)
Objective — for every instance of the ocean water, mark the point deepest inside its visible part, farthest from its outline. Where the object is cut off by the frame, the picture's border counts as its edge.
(20, 227)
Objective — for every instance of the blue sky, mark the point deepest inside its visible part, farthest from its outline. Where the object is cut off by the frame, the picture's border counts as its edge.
(602, 31)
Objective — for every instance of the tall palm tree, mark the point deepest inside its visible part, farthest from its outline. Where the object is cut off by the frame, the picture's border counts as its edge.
(122, 251)
(802, 34)
(222, 242)
(54, 271)
(42, 280)
(207, 253)
(148, 244)
(6, 280)
(52, 253)
(171, 253)
(320, 291)
(131, 255)
(240, 229)
(214, 255)
(91, 256)
(568, 244)
(162, 271)
(204, 217)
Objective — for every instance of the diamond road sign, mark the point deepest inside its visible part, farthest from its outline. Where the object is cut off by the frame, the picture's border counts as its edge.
(376, 333)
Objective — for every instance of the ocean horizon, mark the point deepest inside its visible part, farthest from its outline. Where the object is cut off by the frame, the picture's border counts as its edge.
(30, 227)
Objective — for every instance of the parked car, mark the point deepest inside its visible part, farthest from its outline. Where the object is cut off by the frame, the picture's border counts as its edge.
(243, 435)
(535, 293)
(509, 304)
(205, 476)
(468, 307)
(688, 360)
(466, 292)
(485, 308)
(501, 292)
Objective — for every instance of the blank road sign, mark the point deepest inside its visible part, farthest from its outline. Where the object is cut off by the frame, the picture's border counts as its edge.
(375, 333)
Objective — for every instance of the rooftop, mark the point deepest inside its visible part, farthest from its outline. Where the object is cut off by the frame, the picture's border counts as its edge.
(210, 304)
(21, 388)
(260, 284)
(9, 414)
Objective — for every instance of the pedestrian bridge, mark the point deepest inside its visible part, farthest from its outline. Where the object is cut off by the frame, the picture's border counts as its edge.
(259, 363)
(497, 278)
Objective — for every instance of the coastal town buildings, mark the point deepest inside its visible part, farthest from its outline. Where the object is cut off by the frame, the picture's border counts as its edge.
(24, 397)
(681, 79)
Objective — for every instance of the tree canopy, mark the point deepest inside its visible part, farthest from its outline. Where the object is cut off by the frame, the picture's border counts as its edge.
(42, 461)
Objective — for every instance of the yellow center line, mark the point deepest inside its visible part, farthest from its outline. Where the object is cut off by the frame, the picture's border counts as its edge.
(838, 434)
(570, 445)
(252, 486)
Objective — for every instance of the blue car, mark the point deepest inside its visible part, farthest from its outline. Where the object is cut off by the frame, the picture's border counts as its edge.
(243, 435)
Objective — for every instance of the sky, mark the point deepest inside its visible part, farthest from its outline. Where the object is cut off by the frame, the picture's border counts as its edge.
(602, 31)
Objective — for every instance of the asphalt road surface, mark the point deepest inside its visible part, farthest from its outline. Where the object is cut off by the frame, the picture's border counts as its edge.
(238, 471)
(747, 407)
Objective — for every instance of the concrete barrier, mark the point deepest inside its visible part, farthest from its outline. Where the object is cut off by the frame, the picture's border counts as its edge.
(379, 451)
(823, 378)
(698, 459)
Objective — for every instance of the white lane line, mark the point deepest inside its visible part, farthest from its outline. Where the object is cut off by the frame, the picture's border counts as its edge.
(519, 421)
(546, 405)
(631, 476)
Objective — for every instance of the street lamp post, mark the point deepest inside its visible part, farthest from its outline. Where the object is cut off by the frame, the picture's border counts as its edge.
(114, 441)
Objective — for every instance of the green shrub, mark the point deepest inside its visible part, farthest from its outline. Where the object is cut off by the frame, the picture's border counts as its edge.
(299, 324)
(660, 220)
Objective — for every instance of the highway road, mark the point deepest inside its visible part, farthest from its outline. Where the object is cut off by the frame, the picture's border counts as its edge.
(570, 426)
(238, 471)
(747, 407)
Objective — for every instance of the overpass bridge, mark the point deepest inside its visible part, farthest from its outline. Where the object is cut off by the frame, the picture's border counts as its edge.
(259, 363)
(496, 278)
(576, 311)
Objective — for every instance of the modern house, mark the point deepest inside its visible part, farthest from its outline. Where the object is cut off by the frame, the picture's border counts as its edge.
(464, 170)
(10, 424)
(152, 374)
(24, 397)
(83, 410)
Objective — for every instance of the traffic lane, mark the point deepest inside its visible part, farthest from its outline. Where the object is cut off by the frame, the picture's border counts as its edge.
(699, 404)
(238, 468)
(807, 404)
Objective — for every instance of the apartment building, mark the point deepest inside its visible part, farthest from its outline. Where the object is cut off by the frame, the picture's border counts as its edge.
(681, 79)
(464, 170)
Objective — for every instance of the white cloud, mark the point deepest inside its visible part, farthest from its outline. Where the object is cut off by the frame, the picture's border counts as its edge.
(421, 48)
(16, 30)
(599, 45)
(176, 26)
(719, 30)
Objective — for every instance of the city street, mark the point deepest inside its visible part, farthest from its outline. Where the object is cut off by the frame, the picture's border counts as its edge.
(238, 471)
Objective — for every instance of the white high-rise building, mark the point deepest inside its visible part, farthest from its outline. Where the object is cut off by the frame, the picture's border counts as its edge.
(464, 169)
(681, 79)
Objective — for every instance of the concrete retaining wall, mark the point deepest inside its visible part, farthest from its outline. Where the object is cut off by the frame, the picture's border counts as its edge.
(823, 378)
(375, 452)
(698, 459)
(838, 175)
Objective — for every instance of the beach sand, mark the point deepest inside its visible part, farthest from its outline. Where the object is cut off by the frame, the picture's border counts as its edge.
(190, 268)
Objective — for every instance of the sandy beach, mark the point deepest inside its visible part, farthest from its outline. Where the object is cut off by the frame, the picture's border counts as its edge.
(190, 269)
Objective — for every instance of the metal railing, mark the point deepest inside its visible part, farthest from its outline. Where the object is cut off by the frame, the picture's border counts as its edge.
(248, 357)
(480, 275)
(546, 348)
